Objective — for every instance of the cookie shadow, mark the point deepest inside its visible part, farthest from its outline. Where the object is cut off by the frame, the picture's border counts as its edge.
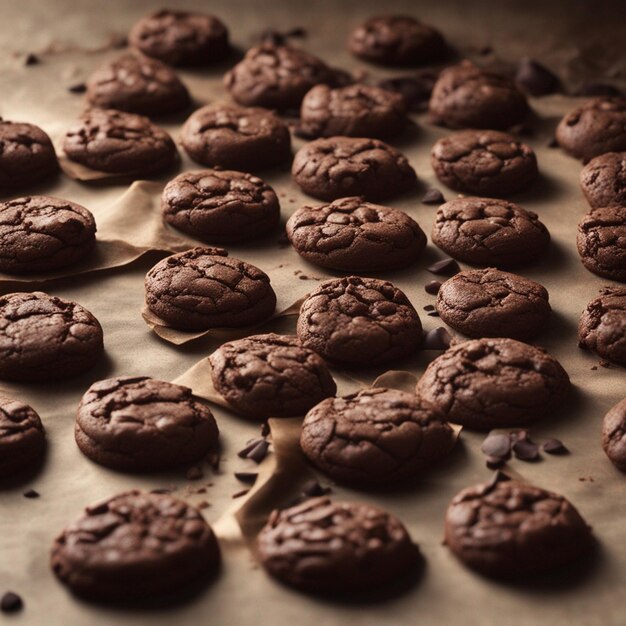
(27, 475)
(544, 188)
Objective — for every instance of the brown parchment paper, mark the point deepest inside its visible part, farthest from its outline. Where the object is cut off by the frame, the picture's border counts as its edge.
(447, 593)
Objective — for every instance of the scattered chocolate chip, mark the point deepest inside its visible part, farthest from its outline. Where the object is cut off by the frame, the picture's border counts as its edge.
(255, 450)
(194, 473)
(433, 314)
(446, 267)
(495, 462)
(535, 79)
(243, 492)
(598, 89)
(433, 196)
(265, 429)
(415, 89)
(605, 365)
(497, 445)
(31, 493)
(525, 449)
(553, 143)
(31, 59)
(594, 367)
(429, 307)
(250, 445)
(437, 339)
(555, 446)
(11, 602)
(312, 489)
(77, 88)
(432, 287)
(246, 477)
(203, 504)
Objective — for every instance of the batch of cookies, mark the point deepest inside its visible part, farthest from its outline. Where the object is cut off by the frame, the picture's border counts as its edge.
(140, 544)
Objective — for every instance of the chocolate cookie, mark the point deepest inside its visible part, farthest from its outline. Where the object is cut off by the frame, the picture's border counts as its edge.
(276, 76)
(614, 435)
(603, 180)
(220, 205)
(494, 383)
(335, 547)
(594, 128)
(352, 111)
(140, 425)
(602, 327)
(466, 96)
(375, 437)
(22, 437)
(602, 242)
(359, 322)
(486, 162)
(203, 288)
(270, 376)
(27, 155)
(352, 235)
(510, 529)
(396, 40)
(135, 545)
(119, 143)
(44, 338)
(181, 38)
(349, 166)
(487, 232)
(236, 137)
(42, 234)
(137, 84)
(492, 303)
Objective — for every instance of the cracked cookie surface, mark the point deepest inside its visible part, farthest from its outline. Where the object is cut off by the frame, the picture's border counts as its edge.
(142, 424)
(603, 180)
(488, 162)
(230, 136)
(44, 338)
(494, 383)
(220, 205)
(203, 288)
(181, 37)
(375, 437)
(492, 303)
(489, 232)
(601, 242)
(270, 376)
(325, 546)
(119, 143)
(594, 128)
(41, 234)
(337, 167)
(614, 435)
(359, 322)
(135, 545)
(352, 235)
(513, 529)
(27, 155)
(602, 327)
(22, 438)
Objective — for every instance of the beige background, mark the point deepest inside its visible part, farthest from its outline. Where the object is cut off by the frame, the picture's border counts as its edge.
(61, 32)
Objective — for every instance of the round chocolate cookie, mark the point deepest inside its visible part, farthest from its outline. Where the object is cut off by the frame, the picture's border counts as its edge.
(27, 155)
(336, 547)
(603, 180)
(375, 437)
(119, 143)
(270, 376)
(22, 437)
(397, 40)
(235, 137)
(614, 435)
(44, 338)
(602, 242)
(220, 205)
(594, 128)
(352, 111)
(487, 162)
(492, 303)
(466, 96)
(181, 38)
(42, 234)
(602, 327)
(510, 529)
(203, 288)
(137, 84)
(276, 76)
(351, 166)
(135, 545)
(359, 322)
(489, 232)
(494, 383)
(352, 235)
(141, 425)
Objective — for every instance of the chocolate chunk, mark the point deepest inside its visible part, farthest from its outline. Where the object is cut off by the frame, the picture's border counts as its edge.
(497, 445)
(246, 477)
(238, 494)
(259, 452)
(433, 314)
(31, 493)
(31, 59)
(534, 78)
(250, 445)
(437, 339)
(11, 602)
(445, 267)
(555, 446)
(432, 287)
(525, 449)
(429, 307)
(433, 196)
(598, 89)
(77, 88)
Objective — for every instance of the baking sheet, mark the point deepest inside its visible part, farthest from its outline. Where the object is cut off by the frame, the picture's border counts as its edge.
(243, 594)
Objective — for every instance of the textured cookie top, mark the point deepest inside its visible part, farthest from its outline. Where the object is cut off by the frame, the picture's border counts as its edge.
(614, 435)
(17, 420)
(603, 180)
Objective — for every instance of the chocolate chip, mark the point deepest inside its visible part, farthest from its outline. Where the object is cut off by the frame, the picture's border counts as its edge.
(77, 88)
(534, 78)
(256, 450)
(265, 429)
(31, 59)
(246, 477)
(555, 446)
(429, 307)
(238, 494)
(432, 287)
(312, 489)
(497, 445)
(415, 89)
(594, 367)
(525, 449)
(598, 89)
(243, 453)
(11, 602)
(433, 314)
(433, 196)
(437, 339)
(446, 267)
(31, 493)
